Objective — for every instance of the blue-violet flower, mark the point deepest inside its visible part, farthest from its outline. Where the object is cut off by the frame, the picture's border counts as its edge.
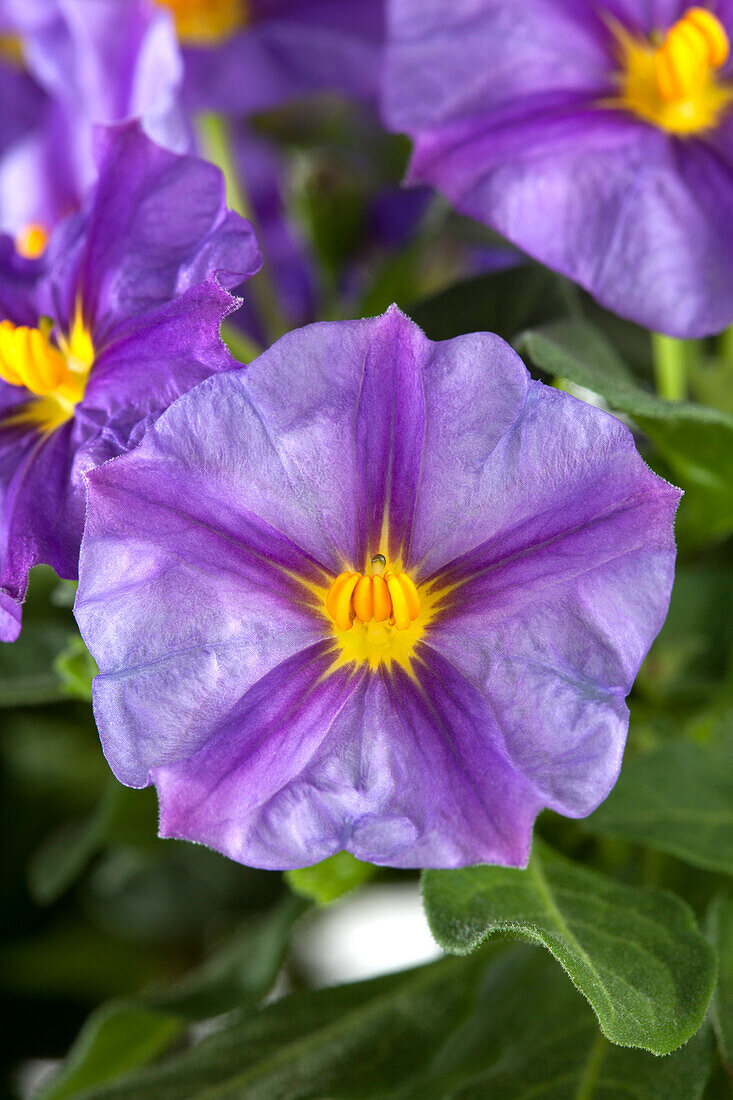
(598, 137)
(120, 317)
(373, 593)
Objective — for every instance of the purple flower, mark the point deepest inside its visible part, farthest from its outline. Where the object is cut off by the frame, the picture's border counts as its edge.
(288, 690)
(244, 56)
(93, 62)
(22, 103)
(102, 61)
(120, 318)
(596, 137)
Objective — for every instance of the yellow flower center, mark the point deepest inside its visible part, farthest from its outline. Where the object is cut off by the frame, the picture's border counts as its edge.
(31, 241)
(56, 373)
(672, 81)
(207, 22)
(377, 616)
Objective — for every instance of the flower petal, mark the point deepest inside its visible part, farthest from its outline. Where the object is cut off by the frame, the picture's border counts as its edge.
(202, 606)
(154, 310)
(555, 612)
(399, 772)
(157, 225)
(217, 675)
(304, 46)
(443, 61)
(321, 466)
(10, 618)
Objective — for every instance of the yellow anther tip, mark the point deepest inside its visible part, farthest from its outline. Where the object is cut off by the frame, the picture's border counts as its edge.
(207, 22)
(363, 599)
(344, 611)
(381, 598)
(714, 33)
(400, 609)
(31, 241)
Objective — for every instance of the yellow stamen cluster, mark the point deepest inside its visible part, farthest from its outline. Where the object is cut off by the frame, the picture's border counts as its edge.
(673, 82)
(694, 46)
(207, 22)
(31, 241)
(55, 372)
(391, 598)
(27, 358)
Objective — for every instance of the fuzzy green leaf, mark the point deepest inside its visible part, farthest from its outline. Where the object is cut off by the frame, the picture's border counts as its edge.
(497, 1024)
(636, 955)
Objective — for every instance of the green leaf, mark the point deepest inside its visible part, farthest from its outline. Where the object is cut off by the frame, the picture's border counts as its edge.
(504, 302)
(637, 955)
(76, 668)
(118, 1037)
(696, 440)
(64, 854)
(240, 972)
(498, 1024)
(573, 349)
(678, 799)
(331, 878)
(720, 929)
(27, 674)
(127, 1034)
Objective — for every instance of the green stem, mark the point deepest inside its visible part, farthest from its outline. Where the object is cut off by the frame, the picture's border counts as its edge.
(671, 361)
(215, 145)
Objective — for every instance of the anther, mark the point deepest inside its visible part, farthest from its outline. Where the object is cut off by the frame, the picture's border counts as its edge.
(46, 362)
(695, 45)
(27, 359)
(207, 22)
(31, 241)
(390, 598)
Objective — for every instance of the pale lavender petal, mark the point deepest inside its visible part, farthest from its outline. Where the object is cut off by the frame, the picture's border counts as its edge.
(560, 604)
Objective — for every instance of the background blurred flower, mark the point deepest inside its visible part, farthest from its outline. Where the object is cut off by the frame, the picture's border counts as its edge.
(121, 318)
(92, 62)
(102, 61)
(244, 56)
(550, 122)
(248, 667)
